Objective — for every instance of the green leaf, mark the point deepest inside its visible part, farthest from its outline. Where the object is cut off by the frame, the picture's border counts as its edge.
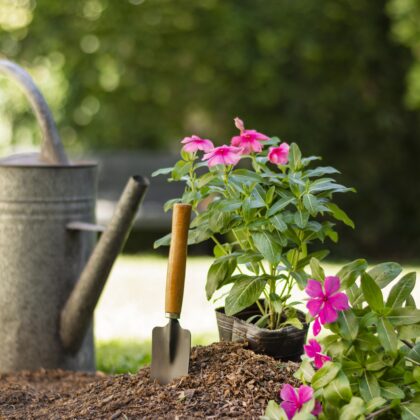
(205, 179)
(317, 270)
(340, 215)
(369, 387)
(246, 176)
(375, 362)
(162, 171)
(311, 203)
(321, 170)
(164, 241)
(403, 316)
(219, 221)
(280, 205)
(367, 342)
(409, 332)
(218, 272)
(372, 293)
(295, 157)
(249, 256)
(414, 354)
(278, 222)
(338, 390)
(258, 197)
(391, 391)
(294, 322)
(384, 273)
(270, 195)
(353, 410)
(401, 291)
(305, 372)
(349, 272)
(325, 375)
(170, 203)
(411, 411)
(410, 302)
(387, 335)
(374, 404)
(301, 218)
(273, 412)
(180, 169)
(349, 326)
(269, 248)
(244, 293)
(416, 374)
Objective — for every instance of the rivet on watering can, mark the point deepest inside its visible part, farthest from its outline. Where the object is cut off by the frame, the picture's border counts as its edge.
(51, 273)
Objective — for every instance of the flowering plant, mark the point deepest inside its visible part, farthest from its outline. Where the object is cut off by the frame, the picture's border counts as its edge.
(369, 364)
(264, 209)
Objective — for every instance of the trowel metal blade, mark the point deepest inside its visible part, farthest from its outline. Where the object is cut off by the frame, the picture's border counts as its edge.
(171, 346)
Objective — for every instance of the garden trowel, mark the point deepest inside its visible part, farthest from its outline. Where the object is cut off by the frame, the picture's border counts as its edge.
(171, 345)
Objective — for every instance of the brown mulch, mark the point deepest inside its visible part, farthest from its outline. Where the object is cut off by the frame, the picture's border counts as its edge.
(225, 380)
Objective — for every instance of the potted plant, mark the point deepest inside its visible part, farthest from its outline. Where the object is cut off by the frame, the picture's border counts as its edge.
(264, 207)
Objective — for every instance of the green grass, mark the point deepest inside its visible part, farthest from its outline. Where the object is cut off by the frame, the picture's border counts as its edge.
(128, 356)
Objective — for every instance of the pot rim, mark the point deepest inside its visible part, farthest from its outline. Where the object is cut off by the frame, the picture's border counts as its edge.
(286, 329)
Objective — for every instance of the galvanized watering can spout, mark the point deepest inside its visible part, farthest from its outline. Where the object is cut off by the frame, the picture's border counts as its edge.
(77, 313)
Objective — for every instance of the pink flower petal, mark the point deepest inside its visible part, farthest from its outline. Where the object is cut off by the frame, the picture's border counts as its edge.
(314, 306)
(315, 345)
(320, 359)
(327, 314)
(290, 408)
(305, 394)
(331, 285)
(223, 155)
(288, 393)
(314, 289)
(316, 327)
(309, 350)
(339, 301)
(236, 141)
(317, 409)
(279, 155)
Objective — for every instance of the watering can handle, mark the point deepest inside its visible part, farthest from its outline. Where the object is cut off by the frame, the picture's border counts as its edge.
(52, 150)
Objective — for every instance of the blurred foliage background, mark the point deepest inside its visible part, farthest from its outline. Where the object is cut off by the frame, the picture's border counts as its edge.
(339, 77)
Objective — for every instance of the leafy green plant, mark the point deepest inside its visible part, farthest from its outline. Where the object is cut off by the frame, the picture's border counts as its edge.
(374, 352)
(263, 209)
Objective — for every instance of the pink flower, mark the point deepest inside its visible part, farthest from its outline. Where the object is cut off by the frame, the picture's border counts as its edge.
(325, 302)
(248, 140)
(316, 328)
(194, 143)
(313, 350)
(317, 409)
(293, 399)
(279, 155)
(223, 155)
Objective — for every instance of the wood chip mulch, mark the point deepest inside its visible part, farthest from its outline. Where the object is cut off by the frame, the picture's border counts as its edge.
(225, 381)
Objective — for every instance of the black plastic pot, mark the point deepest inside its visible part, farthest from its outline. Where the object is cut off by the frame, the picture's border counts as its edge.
(284, 344)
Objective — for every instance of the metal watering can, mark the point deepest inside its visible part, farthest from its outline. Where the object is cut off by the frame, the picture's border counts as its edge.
(51, 272)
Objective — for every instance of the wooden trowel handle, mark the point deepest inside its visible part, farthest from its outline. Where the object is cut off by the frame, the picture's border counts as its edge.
(177, 260)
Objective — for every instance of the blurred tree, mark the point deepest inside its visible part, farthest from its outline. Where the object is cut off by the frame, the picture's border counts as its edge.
(327, 74)
(406, 29)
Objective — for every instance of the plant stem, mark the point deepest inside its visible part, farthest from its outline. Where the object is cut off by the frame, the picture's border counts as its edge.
(260, 308)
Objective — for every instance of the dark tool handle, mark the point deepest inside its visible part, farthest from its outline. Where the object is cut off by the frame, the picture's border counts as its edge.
(177, 260)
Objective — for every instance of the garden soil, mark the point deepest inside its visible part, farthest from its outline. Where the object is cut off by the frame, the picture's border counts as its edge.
(225, 381)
